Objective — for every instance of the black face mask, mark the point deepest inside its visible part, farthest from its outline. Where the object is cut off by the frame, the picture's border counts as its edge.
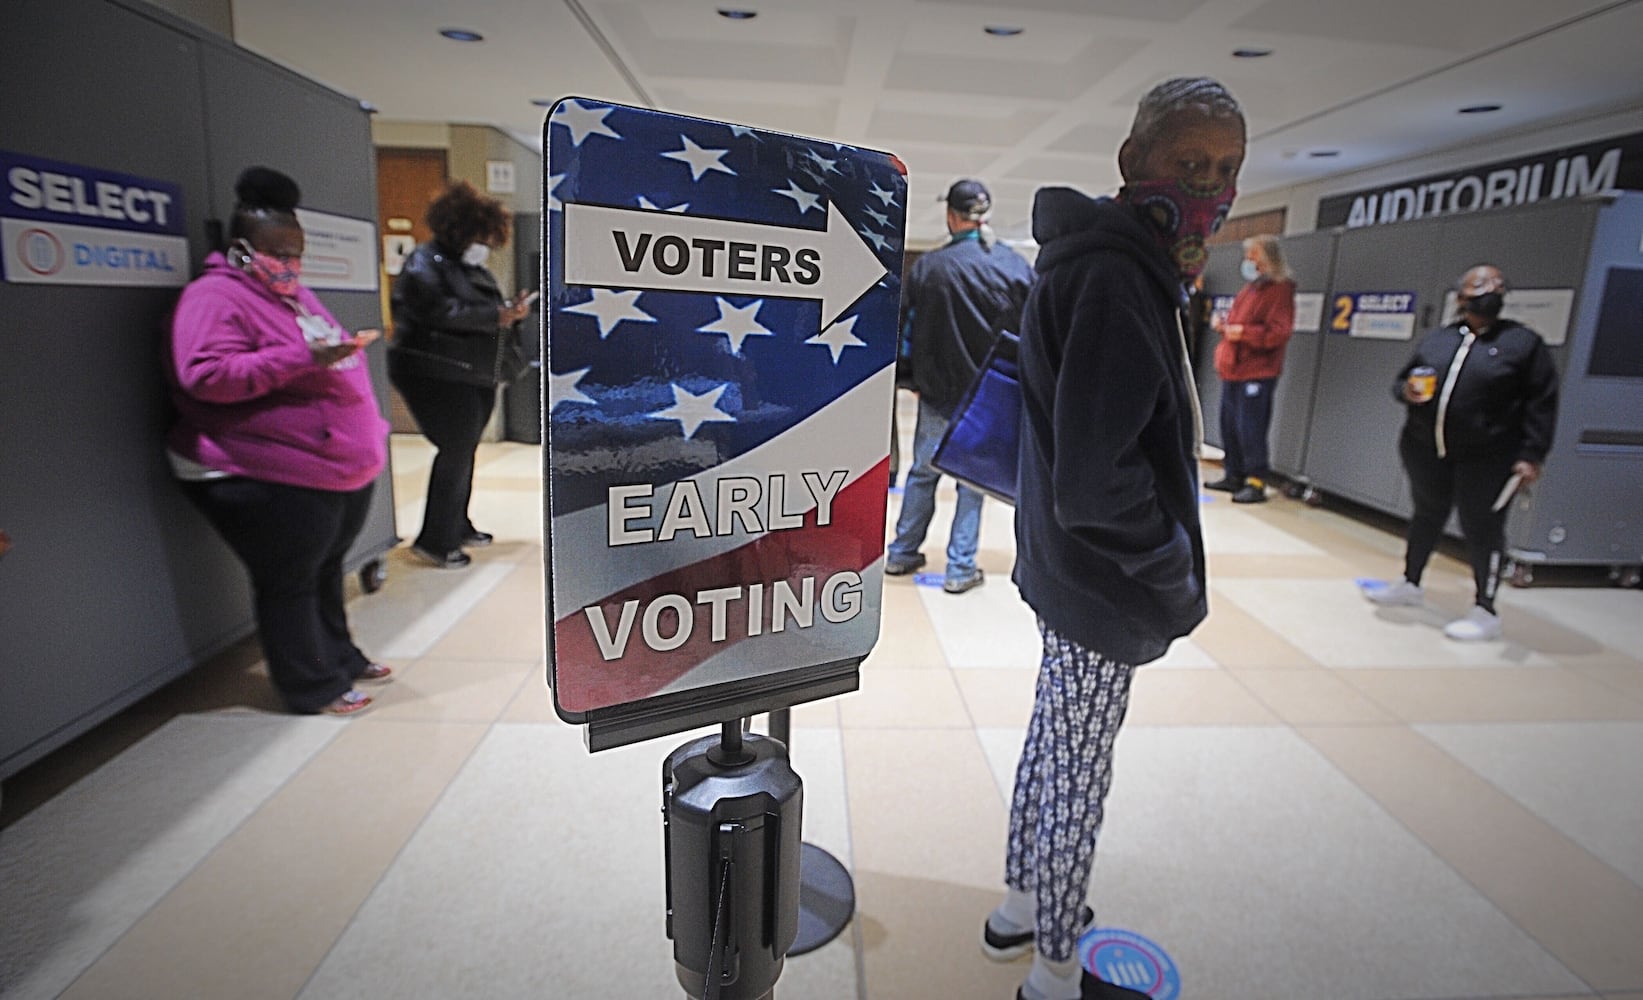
(1488, 305)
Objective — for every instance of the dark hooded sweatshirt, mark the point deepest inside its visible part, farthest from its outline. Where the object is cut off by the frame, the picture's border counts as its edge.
(1109, 549)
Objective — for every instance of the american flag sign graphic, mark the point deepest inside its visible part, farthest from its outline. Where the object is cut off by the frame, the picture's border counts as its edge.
(722, 305)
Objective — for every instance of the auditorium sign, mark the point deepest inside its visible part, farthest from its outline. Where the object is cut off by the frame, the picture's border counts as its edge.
(1594, 168)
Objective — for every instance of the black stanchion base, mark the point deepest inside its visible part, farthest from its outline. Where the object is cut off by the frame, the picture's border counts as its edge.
(827, 899)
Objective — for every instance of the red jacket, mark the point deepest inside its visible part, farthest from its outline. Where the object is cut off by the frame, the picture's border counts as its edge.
(1267, 310)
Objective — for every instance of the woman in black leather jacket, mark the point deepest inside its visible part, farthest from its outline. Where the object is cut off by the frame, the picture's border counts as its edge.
(455, 340)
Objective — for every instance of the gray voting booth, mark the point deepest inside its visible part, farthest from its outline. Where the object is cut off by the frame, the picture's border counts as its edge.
(115, 584)
(1576, 272)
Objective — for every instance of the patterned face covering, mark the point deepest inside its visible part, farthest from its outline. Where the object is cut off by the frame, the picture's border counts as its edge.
(279, 274)
(1181, 215)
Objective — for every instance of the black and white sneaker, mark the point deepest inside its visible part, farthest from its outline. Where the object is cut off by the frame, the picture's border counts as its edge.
(1008, 947)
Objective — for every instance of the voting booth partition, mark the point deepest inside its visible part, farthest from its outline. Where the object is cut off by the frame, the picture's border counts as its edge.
(115, 585)
(722, 308)
(1575, 271)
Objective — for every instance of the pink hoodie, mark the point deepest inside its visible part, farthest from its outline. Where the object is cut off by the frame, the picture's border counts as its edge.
(251, 399)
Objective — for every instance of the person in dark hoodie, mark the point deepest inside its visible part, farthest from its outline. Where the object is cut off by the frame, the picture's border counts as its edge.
(1482, 400)
(1109, 552)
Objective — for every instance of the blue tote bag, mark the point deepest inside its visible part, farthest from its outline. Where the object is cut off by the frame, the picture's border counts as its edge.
(979, 448)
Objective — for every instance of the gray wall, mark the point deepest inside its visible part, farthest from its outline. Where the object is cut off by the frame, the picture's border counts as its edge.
(115, 585)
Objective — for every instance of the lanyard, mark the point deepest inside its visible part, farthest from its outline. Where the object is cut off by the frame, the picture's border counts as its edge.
(1466, 341)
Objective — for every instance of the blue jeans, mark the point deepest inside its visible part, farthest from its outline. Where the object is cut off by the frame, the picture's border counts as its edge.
(1246, 414)
(918, 503)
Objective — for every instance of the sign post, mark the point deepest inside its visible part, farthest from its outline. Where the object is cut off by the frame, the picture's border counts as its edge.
(722, 308)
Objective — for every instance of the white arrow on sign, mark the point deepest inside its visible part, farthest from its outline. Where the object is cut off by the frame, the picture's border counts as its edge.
(665, 251)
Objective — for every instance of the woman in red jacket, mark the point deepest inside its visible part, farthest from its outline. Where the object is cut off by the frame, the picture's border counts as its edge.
(1249, 359)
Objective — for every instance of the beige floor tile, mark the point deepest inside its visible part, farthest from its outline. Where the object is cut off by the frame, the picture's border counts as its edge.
(1578, 908)
(823, 714)
(1229, 529)
(1000, 698)
(987, 627)
(1313, 697)
(507, 625)
(533, 702)
(907, 640)
(1331, 622)
(1229, 564)
(1194, 698)
(1234, 638)
(919, 940)
(503, 459)
(449, 691)
(1624, 680)
(257, 916)
(924, 805)
(904, 699)
(1474, 695)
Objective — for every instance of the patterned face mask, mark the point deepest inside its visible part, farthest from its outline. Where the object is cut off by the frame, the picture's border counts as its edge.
(279, 274)
(1182, 215)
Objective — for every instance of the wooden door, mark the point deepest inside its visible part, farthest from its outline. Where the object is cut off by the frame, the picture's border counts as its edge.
(407, 181)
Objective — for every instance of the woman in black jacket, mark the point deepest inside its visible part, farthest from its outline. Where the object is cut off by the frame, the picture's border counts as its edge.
(455, 341)
(1482, 399)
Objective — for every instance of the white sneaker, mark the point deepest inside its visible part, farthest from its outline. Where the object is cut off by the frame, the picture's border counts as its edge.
(1478, 626)
(1400, 594)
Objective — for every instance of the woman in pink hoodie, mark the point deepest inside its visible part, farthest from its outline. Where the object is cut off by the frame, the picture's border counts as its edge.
(279, 441)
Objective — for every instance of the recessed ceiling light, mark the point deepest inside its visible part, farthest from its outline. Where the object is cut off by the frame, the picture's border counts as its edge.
(1479, 109)
(1323, 153)
(461, 35)
(1251, 53)
(1003, 30)
(733, 14)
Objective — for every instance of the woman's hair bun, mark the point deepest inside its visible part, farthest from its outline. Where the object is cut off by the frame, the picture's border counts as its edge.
(261, 187)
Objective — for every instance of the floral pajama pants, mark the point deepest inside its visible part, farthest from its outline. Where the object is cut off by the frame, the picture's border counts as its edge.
(1061, 784)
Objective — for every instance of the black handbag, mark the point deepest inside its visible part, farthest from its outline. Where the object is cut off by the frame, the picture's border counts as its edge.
(982, 440)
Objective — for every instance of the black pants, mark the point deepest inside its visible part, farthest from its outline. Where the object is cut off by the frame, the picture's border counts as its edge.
(1246, 415)
(1470, 486)
(293, 540)
(452, 415)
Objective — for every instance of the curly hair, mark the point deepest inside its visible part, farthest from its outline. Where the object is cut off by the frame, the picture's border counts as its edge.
(261, 196)
(462, 216)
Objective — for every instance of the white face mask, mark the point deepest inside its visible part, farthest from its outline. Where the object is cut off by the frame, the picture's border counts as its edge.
(476, 254)
(1249, 270)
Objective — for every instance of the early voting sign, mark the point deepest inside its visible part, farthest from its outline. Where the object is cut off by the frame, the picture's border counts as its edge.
(722, 305)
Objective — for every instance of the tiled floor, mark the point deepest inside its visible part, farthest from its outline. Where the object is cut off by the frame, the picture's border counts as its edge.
(1315, 799)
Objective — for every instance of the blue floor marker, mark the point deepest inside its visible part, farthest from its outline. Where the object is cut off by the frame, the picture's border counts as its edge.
(930, 579)
(1127, 959)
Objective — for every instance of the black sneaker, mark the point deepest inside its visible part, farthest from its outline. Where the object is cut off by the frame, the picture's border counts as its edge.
(1091, 988)
(969, 581)
(478, 539)
(1005, 947)
(902, 565)
(1226, 484)
(455, 559)
(1250, 494)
